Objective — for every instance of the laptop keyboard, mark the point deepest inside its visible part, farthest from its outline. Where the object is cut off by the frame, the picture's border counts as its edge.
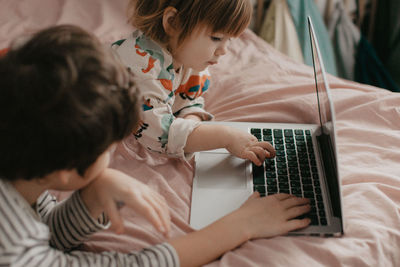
(292, 171)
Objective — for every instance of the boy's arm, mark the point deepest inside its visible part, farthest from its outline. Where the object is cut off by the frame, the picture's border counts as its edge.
(26, 243)
(41, 254)
(73, 220)
(257, 218)
(69, 221)
(112, 189)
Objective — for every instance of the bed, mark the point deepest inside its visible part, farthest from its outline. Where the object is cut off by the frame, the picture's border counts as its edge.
(254, 82)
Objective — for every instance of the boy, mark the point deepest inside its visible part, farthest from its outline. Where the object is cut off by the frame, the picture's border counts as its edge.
(64, 102)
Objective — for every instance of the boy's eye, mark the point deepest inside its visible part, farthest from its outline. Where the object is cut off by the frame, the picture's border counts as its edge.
(216, 39)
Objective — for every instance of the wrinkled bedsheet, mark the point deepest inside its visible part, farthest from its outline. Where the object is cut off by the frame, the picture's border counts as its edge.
(254, 82)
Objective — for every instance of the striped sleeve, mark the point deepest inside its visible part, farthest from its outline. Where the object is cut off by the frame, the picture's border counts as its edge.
(69, 221)
(24, 239)
(162, 255)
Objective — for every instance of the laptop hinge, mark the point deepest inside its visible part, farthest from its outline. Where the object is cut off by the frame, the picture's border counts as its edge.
(330, 170)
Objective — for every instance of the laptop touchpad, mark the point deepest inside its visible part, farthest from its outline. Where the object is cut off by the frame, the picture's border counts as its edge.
(220, 170)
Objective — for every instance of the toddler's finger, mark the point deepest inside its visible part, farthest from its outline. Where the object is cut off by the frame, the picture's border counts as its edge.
(250, 155)
(260, 152)
(267, 146)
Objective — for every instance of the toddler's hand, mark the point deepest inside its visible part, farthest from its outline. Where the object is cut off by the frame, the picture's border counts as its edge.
(193, 117)
(113, 188)
(273, 215)
(245, 145)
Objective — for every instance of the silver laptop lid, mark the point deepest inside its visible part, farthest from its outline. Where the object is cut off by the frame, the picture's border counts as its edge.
(327, 121)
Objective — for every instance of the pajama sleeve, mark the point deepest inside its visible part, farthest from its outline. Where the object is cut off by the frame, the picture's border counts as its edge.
(166, 96)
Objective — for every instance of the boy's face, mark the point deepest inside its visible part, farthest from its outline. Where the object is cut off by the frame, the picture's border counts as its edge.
(200, 49)
(77, 181)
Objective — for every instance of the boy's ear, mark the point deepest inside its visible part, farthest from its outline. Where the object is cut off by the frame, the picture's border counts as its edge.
(169, 21)
(60, 177)
(64, 176)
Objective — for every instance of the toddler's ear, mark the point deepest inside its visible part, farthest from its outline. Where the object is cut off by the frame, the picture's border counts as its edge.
(169, 21)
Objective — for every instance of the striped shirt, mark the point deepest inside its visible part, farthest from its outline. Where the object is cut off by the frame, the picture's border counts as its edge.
(47, 236)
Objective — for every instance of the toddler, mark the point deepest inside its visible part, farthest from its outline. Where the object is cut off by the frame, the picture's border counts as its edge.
(169, 53)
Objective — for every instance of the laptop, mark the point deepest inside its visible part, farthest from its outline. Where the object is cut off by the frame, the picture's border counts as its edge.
(305, 165)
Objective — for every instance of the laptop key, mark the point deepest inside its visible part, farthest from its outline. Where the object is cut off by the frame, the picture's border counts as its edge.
(282, 172)
(290, 146)
(259, 180)
(288, 132)
(279, 147)
(260, 188)
(258, 171)
(296, 191)
(291, 152)
(289, 140)
(267, 131)
(278, 133)
(293, 164)
(298, 132)
(272, 190)
(308, 194)
(280, 153)
(281, 165)
(281, 158)
(283, 178)
(283, 190)
(267, 138)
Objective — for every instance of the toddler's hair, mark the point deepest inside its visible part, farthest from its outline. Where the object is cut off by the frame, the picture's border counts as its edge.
(226, 16)
(64, 99)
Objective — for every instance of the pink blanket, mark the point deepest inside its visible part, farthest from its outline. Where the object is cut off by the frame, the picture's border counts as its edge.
(254, 82)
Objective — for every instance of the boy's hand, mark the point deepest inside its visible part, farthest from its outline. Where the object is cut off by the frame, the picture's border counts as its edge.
(112, 188)
(245, 145)
(273, 215)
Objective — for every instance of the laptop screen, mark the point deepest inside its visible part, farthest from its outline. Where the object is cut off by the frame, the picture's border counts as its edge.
(324, 105)
(327, 122)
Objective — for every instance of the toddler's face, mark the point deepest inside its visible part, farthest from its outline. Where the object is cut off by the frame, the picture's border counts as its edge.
(201, 49)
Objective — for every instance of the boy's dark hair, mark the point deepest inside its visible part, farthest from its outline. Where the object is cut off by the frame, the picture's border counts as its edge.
(64, 99)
